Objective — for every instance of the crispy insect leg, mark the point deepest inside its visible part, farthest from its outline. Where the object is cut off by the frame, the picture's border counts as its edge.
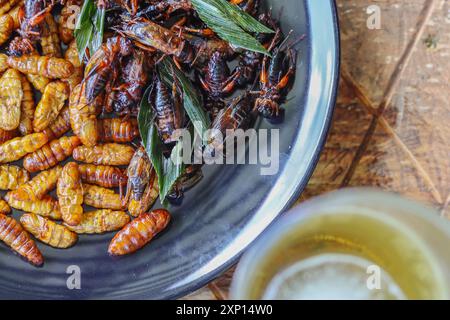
(139, 232)
(48, 232)
(13, 235)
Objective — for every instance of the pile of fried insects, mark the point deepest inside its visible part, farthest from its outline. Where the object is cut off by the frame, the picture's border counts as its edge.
(69, 121)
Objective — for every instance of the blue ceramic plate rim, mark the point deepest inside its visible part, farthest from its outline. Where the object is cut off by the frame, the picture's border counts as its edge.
(314, 11)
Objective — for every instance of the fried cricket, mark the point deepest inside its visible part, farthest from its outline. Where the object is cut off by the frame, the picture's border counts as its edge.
(101, 221)
(70, 194)
(48, 232)
(139, 232)
(15, 237)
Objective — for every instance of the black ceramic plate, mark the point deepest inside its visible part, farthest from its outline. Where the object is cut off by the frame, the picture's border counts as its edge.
(223, 214)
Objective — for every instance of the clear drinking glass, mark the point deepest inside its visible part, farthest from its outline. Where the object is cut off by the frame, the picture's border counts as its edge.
(349, 244)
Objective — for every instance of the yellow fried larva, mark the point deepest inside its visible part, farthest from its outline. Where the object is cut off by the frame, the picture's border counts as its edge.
(4, 207)
(48, 232)
(39, 186)
(14, 13)
(58, 127)
(101, 221)
(26, 108)
(38, 82)
(49, 67)
(3, 62)
(6, 5)
(70, 194)
(51, 103)
(113, 154)
(71, 55)
(46, 207)
(11, 95)
(50, 40)
(11, 177)
(67, 20)
(102, 198)
(16, 148)
(6, 27)
(83, 116)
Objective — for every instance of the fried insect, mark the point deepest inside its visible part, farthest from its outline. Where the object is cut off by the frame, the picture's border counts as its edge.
(10, 99)
(26, 108)
(49, 67)
(39, 186)
(38, 82)
(50, 40)
(51, 103)
(14, 236)
(169, 110)
(15, 14)
(147, 33)
(142, 187)
(274, 79)
(6, 27)
(51, 154)
(139, 232)
(71, 55)
(6, 5)
(3, 62)
(117, 130)
(104, 176)
(102, 68)
(191, 176)
(237, 115)
(133, 79)
(101, 221)
(113, 154)
(58, 127)
(35, 13)
(46, 207)
(102, 198)
(11, 177)
(16, 148)
(70, 194)
(48, 232)
(4, 207)
(83, 116)
(6, 135)
(68, 12)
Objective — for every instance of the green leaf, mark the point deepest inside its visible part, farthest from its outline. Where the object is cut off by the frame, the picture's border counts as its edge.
(173, 169)
(98, 22)
(191, 99)
(89, 28)
(230, 23)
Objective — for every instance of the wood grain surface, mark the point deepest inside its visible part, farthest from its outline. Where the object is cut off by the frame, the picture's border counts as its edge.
(391, 128)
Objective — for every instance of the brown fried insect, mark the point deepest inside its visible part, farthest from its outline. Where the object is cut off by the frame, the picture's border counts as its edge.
(4, 207)
(117, 130)
(39, 186)
(67, 19)
(83, 116)
(139, 232)
(71, 55)
(102, 198)
(10, 99)
(51, 154)
(104, 176)
(50, 40)
(46, 207)
(49, 67)
(6, 27)
(26, 108)
(151, 193)
(38, 82)
(6, 5)
(113, 154)
(34, 16)
(14, 236)
(6, 135)
(11, 177)
(58, 127)
(48, 232)
(101, 221)
(51, 103)
(70, 194)
(16, 148)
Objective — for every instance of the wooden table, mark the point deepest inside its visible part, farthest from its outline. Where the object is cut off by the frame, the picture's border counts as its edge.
(391, 127)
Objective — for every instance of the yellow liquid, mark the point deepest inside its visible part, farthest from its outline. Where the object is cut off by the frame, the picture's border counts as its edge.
(344, 246)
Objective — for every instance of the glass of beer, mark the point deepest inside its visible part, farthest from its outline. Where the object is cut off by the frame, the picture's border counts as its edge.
(360, 244)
